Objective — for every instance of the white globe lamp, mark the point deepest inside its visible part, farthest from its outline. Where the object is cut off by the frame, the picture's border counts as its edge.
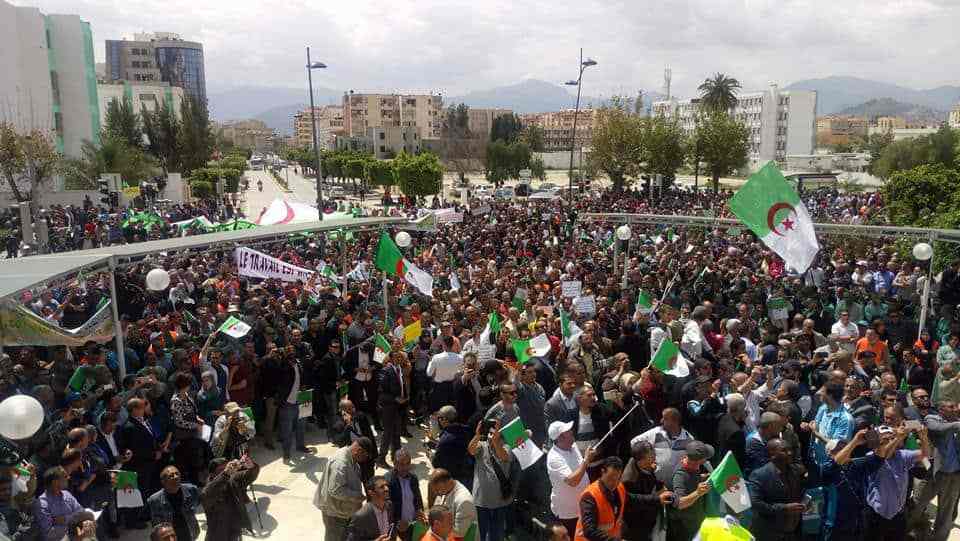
(158, 280)
(922, 251)
(20, 417)
(624, 233)
(403, 239)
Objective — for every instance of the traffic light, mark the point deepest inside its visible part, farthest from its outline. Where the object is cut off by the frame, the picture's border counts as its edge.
(103, 186)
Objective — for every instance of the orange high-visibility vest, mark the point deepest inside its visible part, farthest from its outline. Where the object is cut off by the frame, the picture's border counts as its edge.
(607, 522)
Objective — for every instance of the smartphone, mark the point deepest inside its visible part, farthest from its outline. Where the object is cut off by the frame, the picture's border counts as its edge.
(913, 426)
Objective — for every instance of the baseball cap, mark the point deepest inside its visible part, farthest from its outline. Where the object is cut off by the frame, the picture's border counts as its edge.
(557, 428)
(697, 450)
(231, 407)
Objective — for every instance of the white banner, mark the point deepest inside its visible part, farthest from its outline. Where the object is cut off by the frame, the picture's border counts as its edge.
(450, 218)
(571, 288)
(259, 265)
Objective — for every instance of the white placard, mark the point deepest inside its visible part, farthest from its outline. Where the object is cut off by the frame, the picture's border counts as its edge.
(129, 498)
(259, 265)
(585, 305)
(486, 352)
(571, 289)
(481, 210)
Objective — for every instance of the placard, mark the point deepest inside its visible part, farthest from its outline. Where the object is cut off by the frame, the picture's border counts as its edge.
(572, 288)
(585, 305)
(305, 403)
(486, 352)
(481, 210)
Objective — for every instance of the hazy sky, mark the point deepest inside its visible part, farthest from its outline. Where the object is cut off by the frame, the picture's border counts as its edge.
(455, 45)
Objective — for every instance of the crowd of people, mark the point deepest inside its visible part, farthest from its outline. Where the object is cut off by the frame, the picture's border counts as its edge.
(839, 409)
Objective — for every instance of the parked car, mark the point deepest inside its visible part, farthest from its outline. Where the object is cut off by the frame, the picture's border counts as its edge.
(483, 191)
(523, 190)
(503, 193)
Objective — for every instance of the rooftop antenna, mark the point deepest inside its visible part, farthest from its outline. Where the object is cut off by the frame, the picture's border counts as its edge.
(667, 76)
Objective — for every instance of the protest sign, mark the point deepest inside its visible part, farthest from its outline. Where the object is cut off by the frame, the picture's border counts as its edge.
(571, 288)
(259, 265)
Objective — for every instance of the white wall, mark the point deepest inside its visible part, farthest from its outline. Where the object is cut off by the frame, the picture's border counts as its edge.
(802, 122)
(70, 62)
(561, 160)
(26, 98)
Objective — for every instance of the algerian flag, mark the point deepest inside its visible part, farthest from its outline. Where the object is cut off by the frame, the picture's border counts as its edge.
(359, 273)
(519, 298)
(127, 489)
(125, 479)
(391, 261)
(381, 348)
(608, 244)
(773, 210)
(538, 346)
(517, 439)
(234, 327)
(669, 360)
(492, 328)
(412, 332)
(727, 480)
(79, 380)
(644, 303)
(305, 403)
(327, 272)
(569, 328)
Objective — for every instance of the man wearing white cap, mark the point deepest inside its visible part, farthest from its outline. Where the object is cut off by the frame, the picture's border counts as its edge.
(568, 474)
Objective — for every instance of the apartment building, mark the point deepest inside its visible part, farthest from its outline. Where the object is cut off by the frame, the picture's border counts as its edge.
(49, 77)
(954, 120)
(252, 134)
(781, 122)
(557, 128)
(329, 126)
(424, 112)
(480, 120)
(158, 56)
(150, 96)
(842, 125)
(384, 143)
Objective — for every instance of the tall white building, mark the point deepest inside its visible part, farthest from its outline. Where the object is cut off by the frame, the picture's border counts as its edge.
(49, 79)
(150, 96)
(955, 117)
(782, 122)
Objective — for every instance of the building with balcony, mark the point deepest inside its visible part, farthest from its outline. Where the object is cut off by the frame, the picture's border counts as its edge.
(424, 112)
(49, 80)
(557, 128)
(329, 126)
(156, 57)
(480, 120)
(954, 119)
(781, 122)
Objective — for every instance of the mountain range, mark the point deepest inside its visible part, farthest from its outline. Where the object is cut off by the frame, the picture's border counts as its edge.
(276, 105)
(837, 93)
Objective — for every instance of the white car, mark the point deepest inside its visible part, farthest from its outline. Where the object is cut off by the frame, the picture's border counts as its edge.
(483, 191)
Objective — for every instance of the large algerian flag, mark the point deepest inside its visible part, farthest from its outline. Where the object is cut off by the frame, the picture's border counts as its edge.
(771, 208)
(234, 327)
(391, 261)
(517, 439)
(669, 360)
(727, 480)
(538, 346)
(492, 328)
(568, 328)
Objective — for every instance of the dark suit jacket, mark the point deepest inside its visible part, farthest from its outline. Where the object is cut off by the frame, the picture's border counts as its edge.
(107, 453)
(396, 494)
(134, 436)
(768, 496)
(546, 375)
(601, 424)
(390, 389)
(555, 410)
(731, 436)
(363, 524)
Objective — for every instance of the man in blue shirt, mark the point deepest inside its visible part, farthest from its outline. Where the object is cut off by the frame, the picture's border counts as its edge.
(845, 480)
(887, 487)
(944, 429)
(833, 421)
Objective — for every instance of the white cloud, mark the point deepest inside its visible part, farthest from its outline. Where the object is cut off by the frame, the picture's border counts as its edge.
(458, 45)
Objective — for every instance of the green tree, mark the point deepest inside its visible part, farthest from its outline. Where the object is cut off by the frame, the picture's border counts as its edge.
(723, 143)
(163, 131)
(123, 123)
(201, 189)
(420, 175)
(332, 165)
(213, 175)
(12, 158)
(664, 145)
(719, 93)
(196, 141)
(902, 155)
(617, 144)
(506, 128)
(875, 145)
(28, 161)
(534, 137)
(916, 196)
(113, 155)
(505, 160)
(537, 170)
(355, 167)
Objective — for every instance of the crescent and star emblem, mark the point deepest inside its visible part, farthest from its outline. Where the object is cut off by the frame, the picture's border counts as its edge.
(787, 223)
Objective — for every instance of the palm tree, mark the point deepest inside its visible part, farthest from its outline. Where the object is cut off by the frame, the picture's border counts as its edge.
(719, 92)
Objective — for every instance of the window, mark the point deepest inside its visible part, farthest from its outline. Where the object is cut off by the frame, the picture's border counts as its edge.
(383, 149)
(382, 136)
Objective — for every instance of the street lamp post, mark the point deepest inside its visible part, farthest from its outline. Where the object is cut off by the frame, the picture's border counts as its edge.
(584, 64)
(924, 252)
(313, 121)
(624, 233)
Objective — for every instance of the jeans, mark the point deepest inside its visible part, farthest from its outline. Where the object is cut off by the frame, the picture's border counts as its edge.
(886, 529)
(290, 422)
(492, 523)
(946, 488)
(335, 528)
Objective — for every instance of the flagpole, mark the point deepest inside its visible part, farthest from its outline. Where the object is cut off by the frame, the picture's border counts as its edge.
(614, 427)
(117, 329)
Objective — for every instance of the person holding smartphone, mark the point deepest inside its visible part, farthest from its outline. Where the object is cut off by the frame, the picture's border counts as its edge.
(373, 522)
